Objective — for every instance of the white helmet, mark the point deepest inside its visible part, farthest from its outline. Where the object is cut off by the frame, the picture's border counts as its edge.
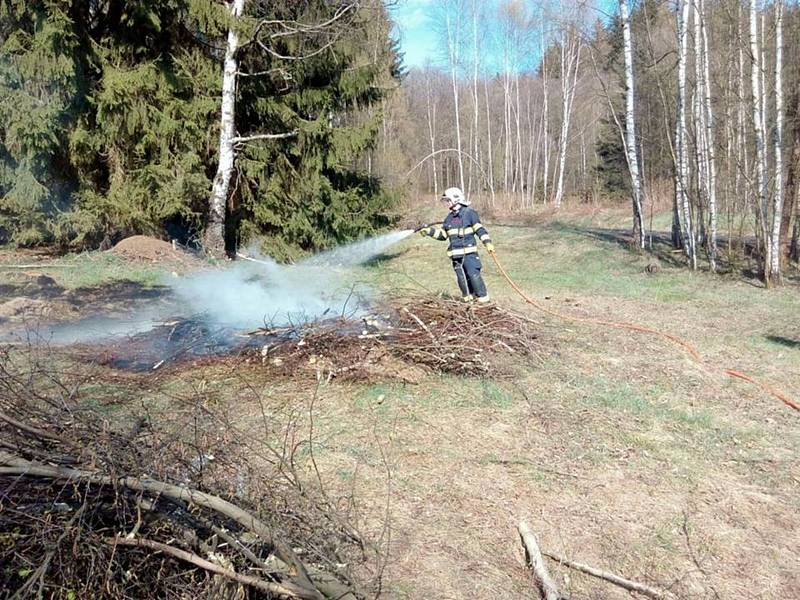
(455, 196)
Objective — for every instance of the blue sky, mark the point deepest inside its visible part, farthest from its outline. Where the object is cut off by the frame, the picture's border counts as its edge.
(415, 31)
(415, 26)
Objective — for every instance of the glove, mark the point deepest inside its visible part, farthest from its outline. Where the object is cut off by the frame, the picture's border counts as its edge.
(489, 247)
(424, 232)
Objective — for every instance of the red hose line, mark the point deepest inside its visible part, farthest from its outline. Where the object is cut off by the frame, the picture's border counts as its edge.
(693, 352)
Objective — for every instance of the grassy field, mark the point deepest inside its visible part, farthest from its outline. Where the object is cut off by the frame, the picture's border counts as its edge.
(619, 449)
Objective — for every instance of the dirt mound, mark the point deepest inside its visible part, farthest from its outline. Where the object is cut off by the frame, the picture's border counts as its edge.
(144, 248)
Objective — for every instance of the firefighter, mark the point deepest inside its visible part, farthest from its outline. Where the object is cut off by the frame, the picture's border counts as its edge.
(461, 227)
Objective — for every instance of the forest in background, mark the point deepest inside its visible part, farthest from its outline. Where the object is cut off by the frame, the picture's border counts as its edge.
(532, 104)
(110, 119)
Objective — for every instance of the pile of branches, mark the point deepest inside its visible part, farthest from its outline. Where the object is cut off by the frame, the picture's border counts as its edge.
(91, 508)
(435, 334)
(410, 337)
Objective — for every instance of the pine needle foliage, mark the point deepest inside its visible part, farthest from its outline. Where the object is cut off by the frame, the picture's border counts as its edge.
(109, 121)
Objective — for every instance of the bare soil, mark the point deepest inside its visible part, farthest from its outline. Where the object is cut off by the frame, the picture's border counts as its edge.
(147, 249)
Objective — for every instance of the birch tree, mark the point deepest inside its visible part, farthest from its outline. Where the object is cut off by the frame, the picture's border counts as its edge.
(453, 40)
(430, 112)
(758, 130)
(630, 128)
(570, 63)
(214, 236)
(709, 159)
(681, 150)
(772, 273)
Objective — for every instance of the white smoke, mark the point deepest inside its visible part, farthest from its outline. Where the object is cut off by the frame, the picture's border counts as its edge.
(252, 293)
(245, 295)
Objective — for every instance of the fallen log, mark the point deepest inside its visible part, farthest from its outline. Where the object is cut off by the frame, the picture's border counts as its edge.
(546, 585)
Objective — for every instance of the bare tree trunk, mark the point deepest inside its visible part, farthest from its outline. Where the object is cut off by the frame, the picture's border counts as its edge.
(570, 62)
(773, 271)
(682, 172)
(452, 47)
(708, 141)
(758, 124)
(630, 128)
(489, 149)
(520, 164)
(214, 236)
(431, 112)
(698, 114)
(475, 103)
(546, 126)
(507, 154)
(539, 140)
(742, 156)
(792, 189)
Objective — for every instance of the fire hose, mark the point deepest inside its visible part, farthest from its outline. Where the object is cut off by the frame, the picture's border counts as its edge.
(691, 350)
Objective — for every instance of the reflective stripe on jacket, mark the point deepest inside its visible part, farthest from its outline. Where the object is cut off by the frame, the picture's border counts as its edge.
(460, 229)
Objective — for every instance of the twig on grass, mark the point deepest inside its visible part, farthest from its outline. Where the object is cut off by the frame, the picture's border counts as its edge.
(281, 590)
(627, 584)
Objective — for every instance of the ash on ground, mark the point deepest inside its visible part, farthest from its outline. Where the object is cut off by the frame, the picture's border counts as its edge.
(403, 341)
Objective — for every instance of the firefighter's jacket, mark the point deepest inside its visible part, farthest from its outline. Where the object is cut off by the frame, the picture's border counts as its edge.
(460, 229)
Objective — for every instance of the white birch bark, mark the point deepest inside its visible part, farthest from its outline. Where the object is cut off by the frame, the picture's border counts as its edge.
(758, 123)
(773, 274)
(507, 154)
(698, 115)
(519, 177)
(452, 48)
(711, 165)
(214, 235)
(475, 103)
(630, 126)
(742, 156)
(430, 104)
(489, 149)
(682, 172)
(570, 62)
(546, 125)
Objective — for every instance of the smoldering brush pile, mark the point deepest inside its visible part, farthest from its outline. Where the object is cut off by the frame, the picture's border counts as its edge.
(429, 334)
(408, 338)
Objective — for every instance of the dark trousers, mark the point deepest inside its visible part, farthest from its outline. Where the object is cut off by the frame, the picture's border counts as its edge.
(468, 274)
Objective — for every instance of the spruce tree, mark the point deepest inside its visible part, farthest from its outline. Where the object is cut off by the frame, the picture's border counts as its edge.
(109, 121)
(38, 100)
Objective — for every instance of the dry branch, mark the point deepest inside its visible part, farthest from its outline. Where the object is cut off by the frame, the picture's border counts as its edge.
(629, 585)
(283, 591)
(14, 465)
(546, 585)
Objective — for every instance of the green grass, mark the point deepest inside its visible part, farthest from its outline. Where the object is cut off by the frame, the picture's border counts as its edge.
(99, 268)
(436, 393)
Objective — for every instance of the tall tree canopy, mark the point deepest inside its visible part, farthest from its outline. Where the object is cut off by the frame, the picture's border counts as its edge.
(109, 119)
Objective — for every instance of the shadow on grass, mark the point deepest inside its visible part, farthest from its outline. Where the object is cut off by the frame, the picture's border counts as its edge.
(660, 246)
(384, 257)
(783, 341)
(660, 242)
